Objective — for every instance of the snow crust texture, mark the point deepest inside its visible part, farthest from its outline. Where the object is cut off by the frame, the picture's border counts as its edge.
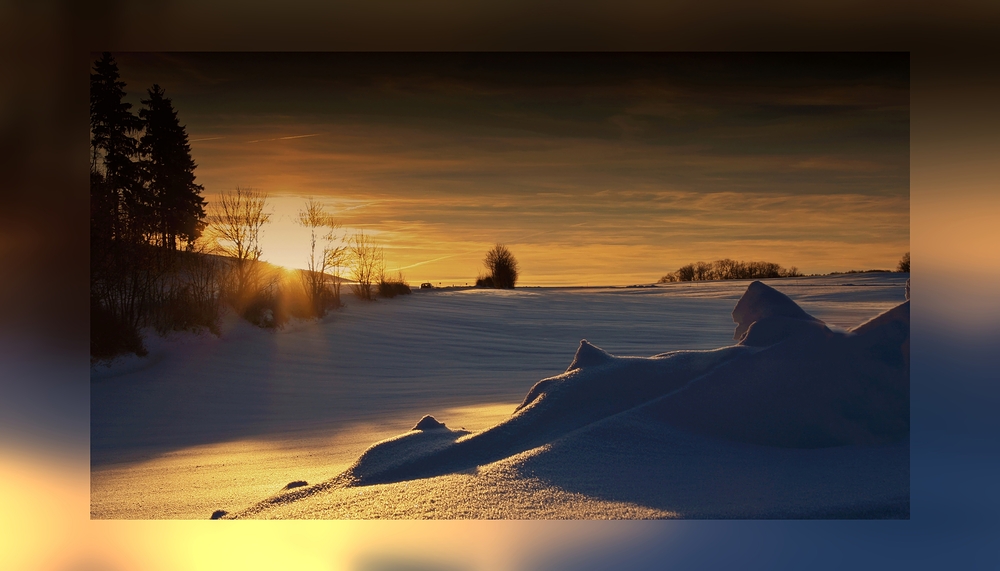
(797, 419)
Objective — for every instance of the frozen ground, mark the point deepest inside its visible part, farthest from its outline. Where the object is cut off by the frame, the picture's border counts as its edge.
(205, 423)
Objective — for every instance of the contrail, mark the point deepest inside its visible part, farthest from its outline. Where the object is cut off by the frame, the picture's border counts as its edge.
(437, 259)
(356, 206)
(286, 138)
(205, 139)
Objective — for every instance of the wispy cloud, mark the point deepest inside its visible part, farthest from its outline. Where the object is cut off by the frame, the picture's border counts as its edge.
(630, 163)
(286, 138)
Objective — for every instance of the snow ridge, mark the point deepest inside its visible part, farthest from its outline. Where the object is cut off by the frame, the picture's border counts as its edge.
(791, 383)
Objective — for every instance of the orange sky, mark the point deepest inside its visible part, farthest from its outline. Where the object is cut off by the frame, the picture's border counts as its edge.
(593, 169)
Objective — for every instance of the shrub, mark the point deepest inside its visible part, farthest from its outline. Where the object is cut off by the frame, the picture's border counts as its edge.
(502, 266)
(188, 298)
(111, 335)
(181, 310)
(265, 310)
(391, 287)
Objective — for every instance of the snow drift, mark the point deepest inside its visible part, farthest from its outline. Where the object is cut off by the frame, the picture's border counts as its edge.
(797, 419)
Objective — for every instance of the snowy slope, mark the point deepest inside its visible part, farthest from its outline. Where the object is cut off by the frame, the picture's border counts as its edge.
(797, 420)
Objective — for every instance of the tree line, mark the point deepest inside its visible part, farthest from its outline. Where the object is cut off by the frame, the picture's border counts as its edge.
(161, 256)
(145, 206)
(727, 269)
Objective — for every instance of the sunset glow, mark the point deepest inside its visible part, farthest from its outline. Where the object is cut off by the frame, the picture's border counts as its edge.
(594, 170)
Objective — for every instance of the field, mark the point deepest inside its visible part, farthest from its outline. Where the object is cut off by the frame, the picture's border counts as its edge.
(205, 423)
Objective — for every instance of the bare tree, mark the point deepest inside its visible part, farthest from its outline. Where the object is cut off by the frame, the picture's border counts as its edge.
(702, 271)
(236, 221)
(367, 264)
(325, 254)
(502, 265)
(685, 273)
(904, 263)
(727, 269)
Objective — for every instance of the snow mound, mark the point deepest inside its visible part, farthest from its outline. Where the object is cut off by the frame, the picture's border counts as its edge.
(762, 301)
(790, 384)
(588, 355)
(428, 422)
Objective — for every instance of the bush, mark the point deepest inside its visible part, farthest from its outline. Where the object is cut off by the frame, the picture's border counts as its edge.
(502, 266)
(182, 310)
(265, 310)
(110, 335)
(484, 281)
(391, 287)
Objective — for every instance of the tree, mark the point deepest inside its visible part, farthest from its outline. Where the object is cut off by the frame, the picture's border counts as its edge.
(728, 269)
(703, 271)
(685, 273)
(115, 192)
(324, 255)
(367, 263)
(502, 266)
(177, 207)
(236, 221)
(122, 274)
(904, 263)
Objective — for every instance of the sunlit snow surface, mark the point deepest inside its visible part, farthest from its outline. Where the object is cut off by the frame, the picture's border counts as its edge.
(206, 423)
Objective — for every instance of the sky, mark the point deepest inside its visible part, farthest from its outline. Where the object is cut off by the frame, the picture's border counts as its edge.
(594, 169)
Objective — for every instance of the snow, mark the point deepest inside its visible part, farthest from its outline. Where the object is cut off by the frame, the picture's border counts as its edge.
(709, 429)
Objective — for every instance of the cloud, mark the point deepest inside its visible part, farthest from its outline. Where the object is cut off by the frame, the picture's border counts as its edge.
(286, 138)
(650, 158)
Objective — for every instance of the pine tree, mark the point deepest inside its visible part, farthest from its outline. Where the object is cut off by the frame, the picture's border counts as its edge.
(120, 280)
(178, 209)
(116, 194)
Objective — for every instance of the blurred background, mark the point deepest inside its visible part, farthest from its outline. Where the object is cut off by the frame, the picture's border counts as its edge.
(44, 367)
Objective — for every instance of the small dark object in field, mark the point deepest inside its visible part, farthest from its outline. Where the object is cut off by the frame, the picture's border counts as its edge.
(428, 422)
(217, 514)
(427, 285)
(295, 484)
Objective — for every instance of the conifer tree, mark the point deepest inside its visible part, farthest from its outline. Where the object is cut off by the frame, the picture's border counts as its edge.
(120, 283)
(116, 195)
(178, 209)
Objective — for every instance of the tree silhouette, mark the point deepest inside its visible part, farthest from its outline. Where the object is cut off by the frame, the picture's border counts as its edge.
(121, 273)
(237, 219)
(325, 254)
(367, 263)
(904, 263)
(177, 207)
(502, 265)
(115, 192)
(728, 269)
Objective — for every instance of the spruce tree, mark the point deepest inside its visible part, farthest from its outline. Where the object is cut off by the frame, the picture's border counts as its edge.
(120, 280)
(168, 169)
(116, 194)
